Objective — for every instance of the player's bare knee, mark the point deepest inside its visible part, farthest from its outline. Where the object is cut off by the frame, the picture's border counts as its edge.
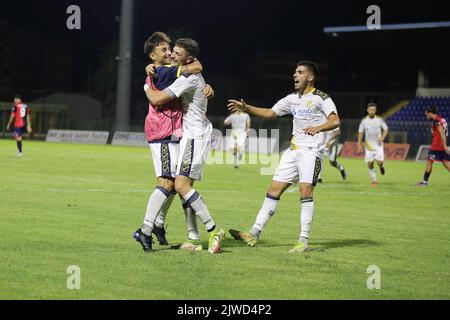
(169, 185)
(275, 190)
(306, 190)
(182, 186)
(274, 193)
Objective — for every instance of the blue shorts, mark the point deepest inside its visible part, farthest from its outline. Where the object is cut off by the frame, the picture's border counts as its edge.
(439, 156)
(18, 131)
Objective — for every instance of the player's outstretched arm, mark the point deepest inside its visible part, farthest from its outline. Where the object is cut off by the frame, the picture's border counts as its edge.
(332, 123)
(264, 113)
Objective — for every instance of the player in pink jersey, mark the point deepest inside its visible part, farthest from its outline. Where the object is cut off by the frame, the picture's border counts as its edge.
(20, 114)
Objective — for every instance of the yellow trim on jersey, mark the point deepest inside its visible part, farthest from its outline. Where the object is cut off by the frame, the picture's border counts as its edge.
(179, 71)
(294, 146)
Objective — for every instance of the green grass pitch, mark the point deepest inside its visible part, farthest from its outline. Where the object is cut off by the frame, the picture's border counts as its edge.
(63, 205)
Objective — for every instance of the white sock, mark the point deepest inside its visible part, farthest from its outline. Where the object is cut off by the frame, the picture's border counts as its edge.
(191, 221)
(267, 210)
(372, 174)
(306, 218)
(161, 218)
(154, 205)
(195, 201)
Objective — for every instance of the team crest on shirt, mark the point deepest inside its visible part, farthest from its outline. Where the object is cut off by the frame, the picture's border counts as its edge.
(309, 104)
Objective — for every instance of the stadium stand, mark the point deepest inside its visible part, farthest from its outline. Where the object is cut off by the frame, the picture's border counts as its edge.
(411, 118)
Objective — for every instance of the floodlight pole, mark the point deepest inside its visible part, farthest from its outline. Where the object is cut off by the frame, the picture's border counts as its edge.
(124, 69)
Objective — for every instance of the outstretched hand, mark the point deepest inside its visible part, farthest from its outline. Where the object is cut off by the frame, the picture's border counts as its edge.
(234, 105)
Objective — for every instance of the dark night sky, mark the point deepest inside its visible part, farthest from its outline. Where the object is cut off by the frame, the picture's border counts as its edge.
(224, 29)
(229, 32)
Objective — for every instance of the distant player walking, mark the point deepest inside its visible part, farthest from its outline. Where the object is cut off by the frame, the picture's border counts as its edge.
(375, 131)
(20, 114)
(240, 124)
(439, 151)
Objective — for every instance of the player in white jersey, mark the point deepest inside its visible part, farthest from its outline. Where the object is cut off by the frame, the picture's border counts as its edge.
(240, 124)
(313, 113)
(331, 151)
(375, 131)
(194, 146)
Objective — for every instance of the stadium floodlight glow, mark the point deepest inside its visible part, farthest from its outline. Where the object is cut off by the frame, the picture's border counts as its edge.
(397, 26)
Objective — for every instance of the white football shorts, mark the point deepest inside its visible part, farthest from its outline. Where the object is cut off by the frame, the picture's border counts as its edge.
(165, 158)
(298, 166)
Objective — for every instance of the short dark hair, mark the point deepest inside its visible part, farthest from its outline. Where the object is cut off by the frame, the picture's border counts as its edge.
(188, 44)
(371, 104)
(310, 65)
(431, 109)
(155, 40)
(17, 97)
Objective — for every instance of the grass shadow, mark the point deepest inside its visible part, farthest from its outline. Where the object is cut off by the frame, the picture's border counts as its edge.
(340, 243)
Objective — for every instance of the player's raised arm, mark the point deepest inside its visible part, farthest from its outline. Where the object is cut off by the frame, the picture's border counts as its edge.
(332, 123)
(192, 68)
(264, 113)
